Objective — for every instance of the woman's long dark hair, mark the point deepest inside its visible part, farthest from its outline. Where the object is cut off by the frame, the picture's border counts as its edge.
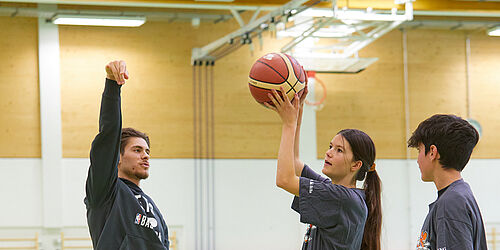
(363, 150)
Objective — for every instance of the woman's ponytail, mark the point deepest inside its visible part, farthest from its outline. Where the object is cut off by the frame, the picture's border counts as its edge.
(373, 225)
(363, 150)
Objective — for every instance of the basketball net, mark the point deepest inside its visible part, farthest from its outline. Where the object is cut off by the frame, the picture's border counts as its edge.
(312, 80)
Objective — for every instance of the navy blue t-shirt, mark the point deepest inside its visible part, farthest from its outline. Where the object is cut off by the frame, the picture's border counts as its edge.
(454, 221)
(337, 214)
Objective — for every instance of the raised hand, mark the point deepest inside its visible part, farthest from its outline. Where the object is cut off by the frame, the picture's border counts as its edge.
(288, 111)
(117, 71)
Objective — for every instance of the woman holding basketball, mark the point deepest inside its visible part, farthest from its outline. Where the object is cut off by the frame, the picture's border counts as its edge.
(339, 215)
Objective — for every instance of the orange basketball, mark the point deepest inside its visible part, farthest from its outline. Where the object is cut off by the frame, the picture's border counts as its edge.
(272, 71)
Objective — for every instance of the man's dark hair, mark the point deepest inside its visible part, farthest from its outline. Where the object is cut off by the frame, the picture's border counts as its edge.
(130, 132)
(454, 137)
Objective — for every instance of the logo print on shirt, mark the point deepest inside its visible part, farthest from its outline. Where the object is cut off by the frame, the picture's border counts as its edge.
(146, 206)
(145, 221)
(311, 184)
(138, 218)
(423, 244)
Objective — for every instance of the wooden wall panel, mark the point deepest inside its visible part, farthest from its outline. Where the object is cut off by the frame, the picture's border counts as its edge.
(371, 100)
(436, 74)
(485, 89)
(19, 96)
(244, 129)
(158, 98)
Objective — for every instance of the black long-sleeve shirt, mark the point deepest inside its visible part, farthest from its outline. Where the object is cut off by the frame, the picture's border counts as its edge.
(119, 214)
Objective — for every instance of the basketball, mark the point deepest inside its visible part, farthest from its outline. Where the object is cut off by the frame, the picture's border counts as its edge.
(275, 70)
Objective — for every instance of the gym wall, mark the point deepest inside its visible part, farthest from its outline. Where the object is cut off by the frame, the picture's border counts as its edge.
(19, 102)
(158, 100)
(158, 97)
(373, 100)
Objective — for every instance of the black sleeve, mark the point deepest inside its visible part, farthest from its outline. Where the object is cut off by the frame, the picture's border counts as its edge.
(104, 154)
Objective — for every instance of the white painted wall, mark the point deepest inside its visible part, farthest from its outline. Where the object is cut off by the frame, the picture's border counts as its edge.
(21, 193)
(251, 212)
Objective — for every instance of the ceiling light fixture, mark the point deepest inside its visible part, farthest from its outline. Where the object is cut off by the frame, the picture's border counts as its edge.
(495, 31)
(93, 20)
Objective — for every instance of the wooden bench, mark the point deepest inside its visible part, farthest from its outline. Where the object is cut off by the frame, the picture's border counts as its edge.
(20, 243)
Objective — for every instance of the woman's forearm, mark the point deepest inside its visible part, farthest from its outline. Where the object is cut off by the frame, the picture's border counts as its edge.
(285, 174)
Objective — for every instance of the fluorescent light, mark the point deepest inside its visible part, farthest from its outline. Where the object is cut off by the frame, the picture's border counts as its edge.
(92, 20)
(366, 16)
(282, 33)
(330, 32)
(354, 15)
(317, 13)
(495, 31)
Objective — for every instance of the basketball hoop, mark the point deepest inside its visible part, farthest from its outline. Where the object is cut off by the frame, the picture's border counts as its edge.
(317, 104)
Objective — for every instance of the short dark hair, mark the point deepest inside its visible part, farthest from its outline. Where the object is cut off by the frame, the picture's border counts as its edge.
(130, 132)
(454, 137)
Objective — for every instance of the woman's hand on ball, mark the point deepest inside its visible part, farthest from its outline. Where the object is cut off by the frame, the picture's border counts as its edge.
(303, 97)
(288, 111)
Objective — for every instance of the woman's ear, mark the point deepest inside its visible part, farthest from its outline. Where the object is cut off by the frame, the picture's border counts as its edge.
(356, 166)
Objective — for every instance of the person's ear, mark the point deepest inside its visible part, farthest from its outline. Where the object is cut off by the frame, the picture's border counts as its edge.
(356, 166)
(120, 160)
(433, 152)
